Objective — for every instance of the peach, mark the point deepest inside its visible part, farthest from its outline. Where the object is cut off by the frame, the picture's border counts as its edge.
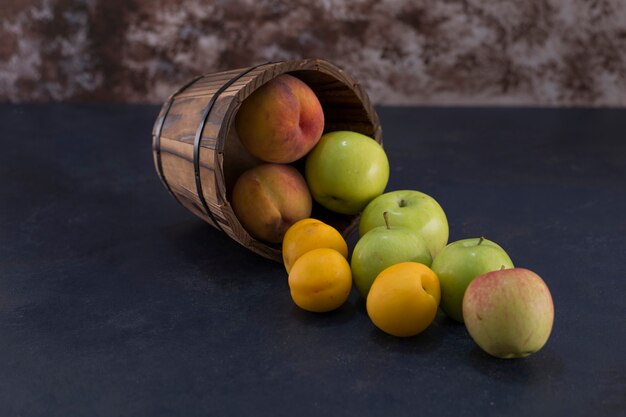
(281, 121)
(269, 198)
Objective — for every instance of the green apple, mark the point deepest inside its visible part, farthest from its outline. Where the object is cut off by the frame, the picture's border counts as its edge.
(383, 247)
(459, 263)
(346, 170)
(411, 209)
(509, 313)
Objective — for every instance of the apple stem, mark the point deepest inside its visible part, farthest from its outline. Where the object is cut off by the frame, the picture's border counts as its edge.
(402, 203)
(502, 267)
(386, 217)
(480, 240)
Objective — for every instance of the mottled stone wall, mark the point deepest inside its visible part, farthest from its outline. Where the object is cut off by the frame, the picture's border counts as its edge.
(531, 52)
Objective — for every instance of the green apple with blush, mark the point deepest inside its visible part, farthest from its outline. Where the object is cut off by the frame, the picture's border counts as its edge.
(411, 209)
(459, 263)
(346, 170)
(383, 247)
(509, 313)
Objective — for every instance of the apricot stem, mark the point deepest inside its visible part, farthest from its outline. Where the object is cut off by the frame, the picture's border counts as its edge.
(386, 217)
(480, 240)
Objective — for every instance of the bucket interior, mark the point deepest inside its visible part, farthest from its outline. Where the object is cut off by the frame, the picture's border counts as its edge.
(343, 110)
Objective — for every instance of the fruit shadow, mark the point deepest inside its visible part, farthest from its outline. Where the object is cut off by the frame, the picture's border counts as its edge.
(423, 343)
(226, 262)
(540, 367)
(426, 342)
(333, 318)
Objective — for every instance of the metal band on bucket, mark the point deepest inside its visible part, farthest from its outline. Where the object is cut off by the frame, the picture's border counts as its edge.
(159, 128)
(198, 138)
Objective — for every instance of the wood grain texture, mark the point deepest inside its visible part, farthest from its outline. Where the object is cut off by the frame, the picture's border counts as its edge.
(221, 156)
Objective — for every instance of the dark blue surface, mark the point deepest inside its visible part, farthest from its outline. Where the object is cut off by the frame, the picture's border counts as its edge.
(114, 301)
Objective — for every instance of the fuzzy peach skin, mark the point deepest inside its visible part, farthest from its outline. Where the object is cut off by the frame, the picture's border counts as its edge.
(281, 121)
(269, 198)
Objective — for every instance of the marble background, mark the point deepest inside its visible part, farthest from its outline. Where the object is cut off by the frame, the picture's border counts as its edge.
(459, 52)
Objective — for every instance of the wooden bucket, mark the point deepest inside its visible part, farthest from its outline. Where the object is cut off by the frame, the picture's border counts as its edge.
(198, 155)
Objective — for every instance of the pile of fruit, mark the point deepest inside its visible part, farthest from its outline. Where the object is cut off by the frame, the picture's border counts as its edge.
(402, 263)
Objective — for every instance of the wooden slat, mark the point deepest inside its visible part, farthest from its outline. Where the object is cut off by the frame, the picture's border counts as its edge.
(183, 119)
(207, 86)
